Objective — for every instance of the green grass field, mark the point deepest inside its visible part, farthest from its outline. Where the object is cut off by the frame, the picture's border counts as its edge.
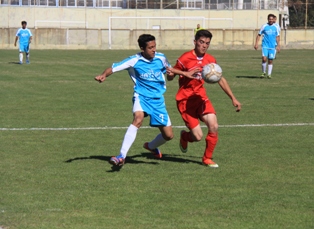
(60, 178)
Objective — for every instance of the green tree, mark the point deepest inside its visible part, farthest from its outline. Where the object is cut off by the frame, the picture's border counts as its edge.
(301, 13)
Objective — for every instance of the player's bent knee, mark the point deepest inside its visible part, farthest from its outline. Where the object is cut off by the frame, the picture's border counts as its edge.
(138, 120)
(167, 133)
(197, 137)
(137, 123)
(168, 137)
(213, 128)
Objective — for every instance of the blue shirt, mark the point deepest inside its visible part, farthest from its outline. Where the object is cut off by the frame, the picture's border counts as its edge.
(24, 36)
(269, 32)
(147, 75)
(278, 26)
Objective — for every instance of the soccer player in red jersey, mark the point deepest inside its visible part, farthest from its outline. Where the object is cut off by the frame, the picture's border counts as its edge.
(192, 101)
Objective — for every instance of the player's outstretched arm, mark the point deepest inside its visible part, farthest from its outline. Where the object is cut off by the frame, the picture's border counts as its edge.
(101, 78)
(189, 74)
(226, 88)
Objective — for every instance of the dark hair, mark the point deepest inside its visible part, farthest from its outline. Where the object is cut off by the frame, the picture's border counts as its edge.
(203, 33)
(271, 15)
(143, 39)
(24, 22)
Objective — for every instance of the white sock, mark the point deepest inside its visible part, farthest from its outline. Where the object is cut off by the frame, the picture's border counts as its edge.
(27, 56)
(264, 67)
(158, 141)
(270, 68)
(21, 57)
(128, 140)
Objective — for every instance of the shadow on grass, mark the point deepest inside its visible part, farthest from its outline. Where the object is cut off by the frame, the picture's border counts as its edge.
(250, 77)
(14, 62)
(311, 98)
(179, 159)
(131, 160)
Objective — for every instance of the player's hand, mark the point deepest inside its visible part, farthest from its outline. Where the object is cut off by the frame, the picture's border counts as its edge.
(278, 49)
(15, 44)
(170, 74)
(100, 78)
(255, 47)
(237, 104)
(191, 74)
(169, 71)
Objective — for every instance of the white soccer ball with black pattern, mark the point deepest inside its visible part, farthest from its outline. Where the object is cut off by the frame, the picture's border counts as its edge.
(211, 73)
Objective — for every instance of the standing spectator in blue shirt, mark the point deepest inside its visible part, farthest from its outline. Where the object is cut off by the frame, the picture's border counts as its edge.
(24, 36)
(271, 42)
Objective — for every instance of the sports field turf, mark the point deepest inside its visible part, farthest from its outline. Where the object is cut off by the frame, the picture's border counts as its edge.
(59, 127)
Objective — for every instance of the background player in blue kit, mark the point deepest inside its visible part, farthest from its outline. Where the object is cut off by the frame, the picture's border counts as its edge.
(279, 29)
(24, 36)
(146, 69)
(271, 42)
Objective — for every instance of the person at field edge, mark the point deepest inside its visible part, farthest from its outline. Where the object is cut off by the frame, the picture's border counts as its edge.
(198, 27)
(276, 24)
(279, 29)
(146, 69)
(24, 35)
(192, 101)
(270, 44)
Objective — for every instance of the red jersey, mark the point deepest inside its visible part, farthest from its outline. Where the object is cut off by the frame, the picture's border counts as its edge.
(192, 87)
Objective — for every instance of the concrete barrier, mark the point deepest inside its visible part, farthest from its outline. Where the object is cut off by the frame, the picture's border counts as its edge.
(49, 38)
(88, 28)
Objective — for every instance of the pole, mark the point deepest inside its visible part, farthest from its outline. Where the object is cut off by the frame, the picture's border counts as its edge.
(284, 27)
(306, 3)
(109, 33)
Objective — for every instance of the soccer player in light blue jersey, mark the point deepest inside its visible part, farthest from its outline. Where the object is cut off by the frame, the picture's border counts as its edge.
(146, 69)
(24, 36)
(276, 24)
(279, 29)
(270, 43)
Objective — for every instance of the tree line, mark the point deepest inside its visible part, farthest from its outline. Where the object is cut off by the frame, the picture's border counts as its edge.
(301, 13)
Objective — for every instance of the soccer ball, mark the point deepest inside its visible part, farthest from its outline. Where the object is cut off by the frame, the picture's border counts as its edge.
(211, 73)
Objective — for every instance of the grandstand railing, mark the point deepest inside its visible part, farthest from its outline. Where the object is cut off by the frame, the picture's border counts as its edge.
(151, 4)
(158, 23)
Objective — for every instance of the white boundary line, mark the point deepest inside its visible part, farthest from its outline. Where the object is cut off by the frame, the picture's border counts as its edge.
(147, 127)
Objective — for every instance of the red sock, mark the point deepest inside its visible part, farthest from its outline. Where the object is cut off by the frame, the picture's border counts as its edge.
(211, 141)
(186, 136)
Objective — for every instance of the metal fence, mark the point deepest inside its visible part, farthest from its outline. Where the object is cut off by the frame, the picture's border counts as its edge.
(152, 4)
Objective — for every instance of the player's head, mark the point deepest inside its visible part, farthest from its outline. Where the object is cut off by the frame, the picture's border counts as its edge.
(147, 44)
(202, 41)
(271, 19)
(24, 24)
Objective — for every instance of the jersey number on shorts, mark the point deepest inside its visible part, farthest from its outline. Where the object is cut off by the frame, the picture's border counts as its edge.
(161, 116)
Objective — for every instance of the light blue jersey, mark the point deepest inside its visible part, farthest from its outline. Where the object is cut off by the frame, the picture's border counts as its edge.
(24, 36)
(269, 32)
(147, 75)
(278, 27)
